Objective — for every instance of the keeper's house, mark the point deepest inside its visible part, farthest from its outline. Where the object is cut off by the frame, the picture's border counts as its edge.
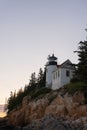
(58, 75)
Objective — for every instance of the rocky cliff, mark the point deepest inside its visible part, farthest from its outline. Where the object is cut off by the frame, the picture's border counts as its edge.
(56, 103)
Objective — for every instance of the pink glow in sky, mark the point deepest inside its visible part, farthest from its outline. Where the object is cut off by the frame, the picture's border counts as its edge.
(30, 30)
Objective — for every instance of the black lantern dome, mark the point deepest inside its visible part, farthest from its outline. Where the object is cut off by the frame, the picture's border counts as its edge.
(52, 60)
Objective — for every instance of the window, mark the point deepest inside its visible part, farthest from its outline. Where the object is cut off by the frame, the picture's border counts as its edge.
(54, 76)
(58, 73)
(67, 73)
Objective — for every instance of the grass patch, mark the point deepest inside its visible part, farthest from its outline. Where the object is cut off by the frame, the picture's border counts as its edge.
(40, 92)
(75, 86)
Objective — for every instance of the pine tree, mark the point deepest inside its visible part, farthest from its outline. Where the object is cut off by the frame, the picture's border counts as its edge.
(11, 102)
(81, 71)
(33, 80)
(41, 78)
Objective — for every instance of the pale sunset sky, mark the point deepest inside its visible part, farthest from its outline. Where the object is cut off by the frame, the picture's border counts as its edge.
(30, 30)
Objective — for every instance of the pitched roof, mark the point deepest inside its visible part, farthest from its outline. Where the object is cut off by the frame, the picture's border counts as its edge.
(65, 64)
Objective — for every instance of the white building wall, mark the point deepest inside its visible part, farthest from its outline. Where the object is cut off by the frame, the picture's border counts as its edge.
(56, 79)
(61, 79)
(49, 71)
(64, 78)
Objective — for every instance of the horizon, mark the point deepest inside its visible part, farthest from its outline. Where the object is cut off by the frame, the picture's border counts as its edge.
(30, 31)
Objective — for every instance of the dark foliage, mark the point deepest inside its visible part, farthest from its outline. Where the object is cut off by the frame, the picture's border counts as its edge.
(40, 93)
(81, 70)
(35, 87)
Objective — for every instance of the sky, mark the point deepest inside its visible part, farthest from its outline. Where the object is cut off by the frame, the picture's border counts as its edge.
(30, 30)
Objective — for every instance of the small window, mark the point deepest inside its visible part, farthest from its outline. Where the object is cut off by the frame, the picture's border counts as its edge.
(67, 73)
(54, 76)
(58, 73)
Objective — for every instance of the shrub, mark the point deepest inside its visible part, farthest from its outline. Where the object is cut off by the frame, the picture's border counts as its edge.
(73, 87)
(40, 92)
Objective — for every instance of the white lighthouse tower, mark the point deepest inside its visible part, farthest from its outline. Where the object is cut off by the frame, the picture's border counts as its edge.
(50, 67)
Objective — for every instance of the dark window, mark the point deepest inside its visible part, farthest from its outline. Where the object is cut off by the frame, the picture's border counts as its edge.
(58, 73)
(67, 73)
(54, 76)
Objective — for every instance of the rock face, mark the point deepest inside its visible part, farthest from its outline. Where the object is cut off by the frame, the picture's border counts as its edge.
(55, 104)
(68, 106)
(48, 122)
(51, 122)
(4, 124)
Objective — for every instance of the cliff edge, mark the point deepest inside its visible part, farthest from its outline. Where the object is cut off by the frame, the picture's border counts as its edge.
(58, 104)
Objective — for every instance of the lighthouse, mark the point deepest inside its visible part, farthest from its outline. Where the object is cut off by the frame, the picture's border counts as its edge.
(51, 66)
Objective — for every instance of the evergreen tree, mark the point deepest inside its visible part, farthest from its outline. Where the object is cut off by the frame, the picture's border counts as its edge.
(33, 80)
(44, 77)
(81, 70)
(40, 79)
(11, 102)
(31, 89)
